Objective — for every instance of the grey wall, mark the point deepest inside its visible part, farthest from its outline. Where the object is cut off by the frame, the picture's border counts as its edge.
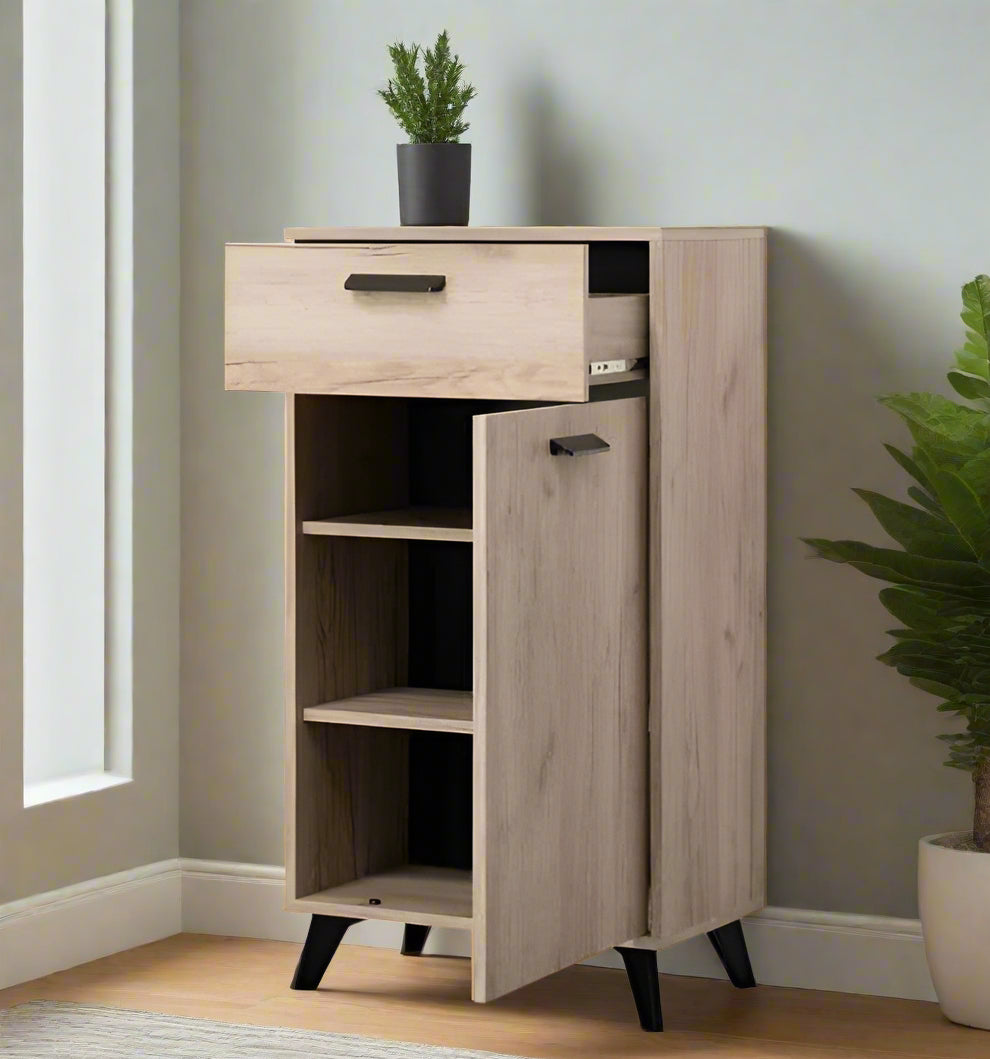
(851, 128)
(59, 843)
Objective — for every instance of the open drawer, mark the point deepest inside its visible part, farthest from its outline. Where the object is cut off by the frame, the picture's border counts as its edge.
(477, 320)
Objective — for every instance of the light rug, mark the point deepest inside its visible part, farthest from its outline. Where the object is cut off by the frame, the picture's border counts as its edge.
(51, 1028)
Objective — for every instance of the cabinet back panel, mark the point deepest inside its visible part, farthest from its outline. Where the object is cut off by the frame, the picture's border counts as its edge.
(619, 268)
(440, 453)
(440, 615)
(440, 806)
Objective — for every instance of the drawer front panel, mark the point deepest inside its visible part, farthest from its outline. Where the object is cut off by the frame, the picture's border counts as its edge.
(507, 320)
(560, 696)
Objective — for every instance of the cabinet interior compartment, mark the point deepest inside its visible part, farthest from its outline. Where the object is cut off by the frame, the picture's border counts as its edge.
(618, 267)
(617, 324)
(383, 668)
(421, 446)
(391, 813)
(381, 628)
(427, 444)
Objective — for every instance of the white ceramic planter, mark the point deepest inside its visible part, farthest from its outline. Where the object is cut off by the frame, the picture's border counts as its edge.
(954, 900)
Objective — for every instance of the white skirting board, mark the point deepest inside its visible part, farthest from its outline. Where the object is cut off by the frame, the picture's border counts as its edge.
(63, 928)
(789, 947)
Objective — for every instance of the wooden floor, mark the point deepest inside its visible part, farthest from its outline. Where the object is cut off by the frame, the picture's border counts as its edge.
(584, 1011)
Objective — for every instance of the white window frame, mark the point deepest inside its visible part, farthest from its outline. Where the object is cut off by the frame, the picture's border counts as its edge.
(78, 586)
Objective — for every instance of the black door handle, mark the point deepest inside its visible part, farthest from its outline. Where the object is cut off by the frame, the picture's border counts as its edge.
(372, 281)
(578, 445)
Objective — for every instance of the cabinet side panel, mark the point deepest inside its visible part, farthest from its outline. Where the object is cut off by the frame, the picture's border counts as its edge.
(708, 582)
(561, 830)
(346, 634)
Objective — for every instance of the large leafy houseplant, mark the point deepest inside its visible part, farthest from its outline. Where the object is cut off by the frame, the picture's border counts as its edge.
(939, 578)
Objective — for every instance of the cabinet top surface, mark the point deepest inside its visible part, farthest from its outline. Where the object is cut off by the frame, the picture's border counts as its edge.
(538, 234)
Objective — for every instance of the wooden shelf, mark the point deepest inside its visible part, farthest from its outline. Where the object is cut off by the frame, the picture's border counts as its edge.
(423, 709)
(413, 893)
(410, 523)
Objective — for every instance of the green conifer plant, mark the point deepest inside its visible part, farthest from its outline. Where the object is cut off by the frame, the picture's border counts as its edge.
(428, 105)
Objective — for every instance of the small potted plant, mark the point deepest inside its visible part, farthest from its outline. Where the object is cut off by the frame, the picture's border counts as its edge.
(939, 592)
(434, 166)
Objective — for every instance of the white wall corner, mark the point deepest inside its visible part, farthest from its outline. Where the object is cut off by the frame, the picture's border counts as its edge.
(801, 948)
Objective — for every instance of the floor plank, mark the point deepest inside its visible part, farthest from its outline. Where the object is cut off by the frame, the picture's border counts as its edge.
(580, 1013)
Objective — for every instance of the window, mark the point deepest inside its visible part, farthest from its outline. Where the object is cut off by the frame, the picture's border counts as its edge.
(77, 350)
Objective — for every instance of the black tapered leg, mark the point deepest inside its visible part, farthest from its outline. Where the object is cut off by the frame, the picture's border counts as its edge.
(644, 980)
(325, 934)
(414, 938)
(730, 947)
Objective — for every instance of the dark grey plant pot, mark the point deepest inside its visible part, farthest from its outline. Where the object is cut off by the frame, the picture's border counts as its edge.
(434, 183)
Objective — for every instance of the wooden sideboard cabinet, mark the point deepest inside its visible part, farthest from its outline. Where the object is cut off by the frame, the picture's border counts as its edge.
(525, 547)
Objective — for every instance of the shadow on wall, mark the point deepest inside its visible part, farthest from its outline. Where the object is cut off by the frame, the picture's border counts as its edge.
(849, 740)
(562, 164)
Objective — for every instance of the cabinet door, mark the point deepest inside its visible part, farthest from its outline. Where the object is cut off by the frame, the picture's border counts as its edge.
(560, 766)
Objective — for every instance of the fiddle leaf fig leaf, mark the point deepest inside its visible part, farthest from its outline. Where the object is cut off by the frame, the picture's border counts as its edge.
(915, 609)
(919, 496)
(976, 310)
(973, 359)
(970, 358)
(966, 512)
(903, 567)
(910, 466)
(944, 431)
(976, 474)
(916, 530)
(969, 384)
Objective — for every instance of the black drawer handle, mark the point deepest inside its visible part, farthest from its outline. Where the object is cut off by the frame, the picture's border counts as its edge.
(578, 445)
(404, 284)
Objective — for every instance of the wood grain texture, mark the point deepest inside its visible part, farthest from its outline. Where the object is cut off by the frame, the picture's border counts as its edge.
(618, 327)
(411, 523)
(533, 234)
(353, 814)
(422, 709)
(410, 893)
(636, 375)
(707, 582)
(345, 633)
(560, 829)
(509, 324)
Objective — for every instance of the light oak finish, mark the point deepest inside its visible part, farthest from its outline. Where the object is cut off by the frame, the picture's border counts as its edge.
(707, 582)
(560, 777)
(580, 1013)
(514, 321)
(634, 375)
(411, 523)
(421, 709)
(618, 707)
(618, 326)
(345, 634)
(534, 234)
(411, 893)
